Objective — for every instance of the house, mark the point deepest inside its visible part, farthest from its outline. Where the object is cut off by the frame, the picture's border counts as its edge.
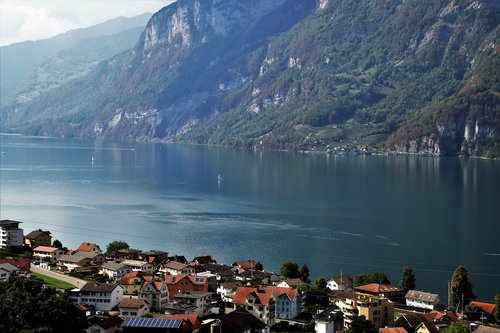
(176, 268)
(107, 325)
(268, 303)
(222, 272)
(379, 310)
(101, 296)
(203, 260)
(426, 327)
(47, 252)
(290, 283)
(329, 320)
(155, 293)
(241, 321)
(191, 303)
(191, 323)
(246, 265)
(154, 257)
(132, 282)
(394, 294)
(10, 234)
(487, 308)
(133, 307)
(38, 238)
(342, 283)
(439, 320)
(486, 329)
(95, 257)
(114, 270)
(420, 299)
(23, 264)
(139, 266)
(6, 272)
(89, 247)
(211, 278)
(69, 263)
(227, 290)
(183, 283)
(156, 325)
(125, 254)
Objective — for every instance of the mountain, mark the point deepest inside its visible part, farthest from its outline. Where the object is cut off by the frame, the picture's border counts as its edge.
(288, 74)
(42, 64)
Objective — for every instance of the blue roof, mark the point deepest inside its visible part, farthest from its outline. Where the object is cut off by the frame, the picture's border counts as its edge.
(152, 323)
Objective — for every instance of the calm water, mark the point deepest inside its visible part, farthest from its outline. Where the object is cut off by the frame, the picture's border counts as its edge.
(351, 213)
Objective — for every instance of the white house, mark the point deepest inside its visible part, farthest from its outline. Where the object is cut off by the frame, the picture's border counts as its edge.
(139, 266)
(10, 234)
(288, 302)
(114, 270)
(342, 283)
(191, 303)
(4, 273)
(420, 299)
(329, 320)
(227, 290)
(47, 252)
(101, 296)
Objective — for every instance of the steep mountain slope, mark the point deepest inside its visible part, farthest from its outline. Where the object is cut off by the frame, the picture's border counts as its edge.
(299, 74)
(468, 123)
(89, 45)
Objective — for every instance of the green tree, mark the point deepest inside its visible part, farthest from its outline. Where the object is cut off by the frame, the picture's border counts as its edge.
(27, 305)
(57, 243)
(456, 328)
(289, 269)
(116, 245)
(461, 288)
(496, 311)
(304, 273)
(361, 325)
(376, 277)
(407, 279)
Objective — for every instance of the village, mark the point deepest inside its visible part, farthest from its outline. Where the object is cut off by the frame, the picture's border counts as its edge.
(121, 289)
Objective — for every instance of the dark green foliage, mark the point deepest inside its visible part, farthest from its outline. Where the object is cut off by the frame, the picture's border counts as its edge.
(456, 328)
(57, 243)
(472, 312)
(461, 288)
(304, 273)
(116, 245)
(376, 277)
(361, 325)
(407, 279)
(27, 305)
(289, 270)
(440, 307)
(317, 288)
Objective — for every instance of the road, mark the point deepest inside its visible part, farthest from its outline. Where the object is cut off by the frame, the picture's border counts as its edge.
(72, 280)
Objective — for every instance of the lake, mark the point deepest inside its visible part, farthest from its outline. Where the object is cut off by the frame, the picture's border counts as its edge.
(355, 214)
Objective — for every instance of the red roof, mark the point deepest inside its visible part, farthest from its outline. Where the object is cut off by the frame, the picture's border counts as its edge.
(127, 279)
(376, 288)
(23, 263)
(263, 294)
(86, 247)
(246, 264)
(486, 307)
(47, 249)
(192, 319)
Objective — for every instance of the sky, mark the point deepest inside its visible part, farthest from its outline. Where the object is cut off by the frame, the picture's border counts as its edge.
(22, 20)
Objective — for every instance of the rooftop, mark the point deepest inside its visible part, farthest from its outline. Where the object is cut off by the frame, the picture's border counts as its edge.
(99, 287)
(8, 222)
(152, 323)
(48, 249)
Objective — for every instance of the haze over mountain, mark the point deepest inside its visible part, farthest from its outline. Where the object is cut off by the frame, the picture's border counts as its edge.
(299, 74)
(32, 67)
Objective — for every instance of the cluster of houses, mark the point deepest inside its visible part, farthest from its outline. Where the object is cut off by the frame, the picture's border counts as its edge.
(141, 291)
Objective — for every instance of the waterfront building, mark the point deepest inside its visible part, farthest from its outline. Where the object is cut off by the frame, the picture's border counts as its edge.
(11, 235)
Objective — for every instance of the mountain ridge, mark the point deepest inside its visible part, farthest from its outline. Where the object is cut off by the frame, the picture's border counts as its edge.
(293, 75)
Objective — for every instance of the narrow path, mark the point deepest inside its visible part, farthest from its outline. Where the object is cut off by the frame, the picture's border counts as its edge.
(72, 280)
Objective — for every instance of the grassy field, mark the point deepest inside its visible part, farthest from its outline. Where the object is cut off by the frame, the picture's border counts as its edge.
(53, 283)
